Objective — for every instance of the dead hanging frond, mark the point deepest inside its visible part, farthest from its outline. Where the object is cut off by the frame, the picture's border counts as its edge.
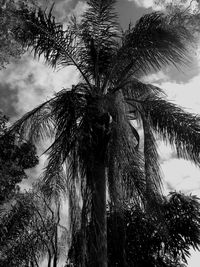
(152, 168)
(125, 164)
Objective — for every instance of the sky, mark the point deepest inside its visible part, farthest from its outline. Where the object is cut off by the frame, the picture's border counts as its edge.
(27, 82)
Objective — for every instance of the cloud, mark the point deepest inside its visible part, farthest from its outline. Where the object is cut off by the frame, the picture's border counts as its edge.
(181, 175)
(161, 6)
(146, 4)
(30, 82)
(79, 9)
(64, 8)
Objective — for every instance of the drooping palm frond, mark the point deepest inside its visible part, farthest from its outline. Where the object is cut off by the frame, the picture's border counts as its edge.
(152, 43)
(135, 89)
(126, 179)
(176, 126)
(35, 125)
(54, 187)
(135, 94)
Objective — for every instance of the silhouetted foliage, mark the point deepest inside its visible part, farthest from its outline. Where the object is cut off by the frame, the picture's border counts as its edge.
(15, 209)
(30, 231)
(14, 159)
(143, 240)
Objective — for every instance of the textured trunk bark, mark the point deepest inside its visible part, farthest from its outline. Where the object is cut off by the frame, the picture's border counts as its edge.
(99, 252)
(100, 125)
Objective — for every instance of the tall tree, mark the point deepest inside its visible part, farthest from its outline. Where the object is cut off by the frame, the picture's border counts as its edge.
(94, 138)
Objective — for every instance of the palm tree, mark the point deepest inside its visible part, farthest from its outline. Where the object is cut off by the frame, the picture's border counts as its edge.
(95, 144)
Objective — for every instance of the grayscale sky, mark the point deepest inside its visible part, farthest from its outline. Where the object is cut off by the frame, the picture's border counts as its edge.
(28, 82)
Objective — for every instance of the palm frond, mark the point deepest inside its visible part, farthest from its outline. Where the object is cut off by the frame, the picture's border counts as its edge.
(152, 43)
(35, 125)
(176, 126)
(53, 184)
(98, 32)
(40, 31)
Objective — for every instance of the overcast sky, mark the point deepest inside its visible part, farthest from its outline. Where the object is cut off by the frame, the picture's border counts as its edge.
(28, 82)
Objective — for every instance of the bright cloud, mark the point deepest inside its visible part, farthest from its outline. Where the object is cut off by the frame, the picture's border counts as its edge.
(145, 3)
(34, 82)
(80, 8)
(151, 3)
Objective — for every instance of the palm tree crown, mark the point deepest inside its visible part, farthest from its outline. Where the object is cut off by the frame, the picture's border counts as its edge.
(91, 122)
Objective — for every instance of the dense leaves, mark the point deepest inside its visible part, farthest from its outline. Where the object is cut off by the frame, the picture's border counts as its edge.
(142, 240)
(10, 48)
(15, 209)
(31, 231)
(14, 159)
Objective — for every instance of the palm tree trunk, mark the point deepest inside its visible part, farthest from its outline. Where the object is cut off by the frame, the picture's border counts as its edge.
(97, 246)
(99, 257)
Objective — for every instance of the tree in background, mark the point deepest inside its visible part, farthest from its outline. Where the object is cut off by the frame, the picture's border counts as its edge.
(31, 232)
(95, 143)
(150, 242)
(9, 47)
(14, 159)
(14, 215)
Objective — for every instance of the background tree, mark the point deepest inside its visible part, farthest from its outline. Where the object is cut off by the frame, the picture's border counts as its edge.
(10, 49)
(94, 138)
(14, 215)
(31, 232)
(14, 159)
